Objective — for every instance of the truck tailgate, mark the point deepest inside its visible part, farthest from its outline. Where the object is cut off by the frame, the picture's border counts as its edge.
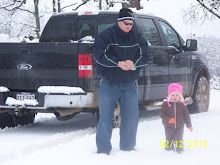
(27, 66)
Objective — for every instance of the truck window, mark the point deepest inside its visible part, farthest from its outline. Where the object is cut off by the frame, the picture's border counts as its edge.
(170, 35)
(104, 23)
(59, 30)
(85, 28)
(150, 31)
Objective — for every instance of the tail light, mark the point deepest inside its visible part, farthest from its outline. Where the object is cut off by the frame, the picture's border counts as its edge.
(85, 68)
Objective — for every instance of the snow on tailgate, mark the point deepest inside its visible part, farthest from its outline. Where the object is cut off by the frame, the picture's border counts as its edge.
(60, 89)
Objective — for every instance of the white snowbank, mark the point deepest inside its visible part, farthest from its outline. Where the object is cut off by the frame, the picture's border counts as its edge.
(3, 89)
(60, 89)
(13, 102)
(4, 38)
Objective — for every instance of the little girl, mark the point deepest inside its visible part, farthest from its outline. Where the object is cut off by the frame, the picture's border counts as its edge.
(174, 115)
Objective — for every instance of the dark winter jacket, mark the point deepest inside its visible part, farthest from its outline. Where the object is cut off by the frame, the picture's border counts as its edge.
(113, 45)
(182, 115)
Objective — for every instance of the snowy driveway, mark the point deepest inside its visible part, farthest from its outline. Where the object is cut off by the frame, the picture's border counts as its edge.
(50, 141)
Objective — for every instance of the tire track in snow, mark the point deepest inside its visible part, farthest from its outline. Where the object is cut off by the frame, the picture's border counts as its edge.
(57, 139)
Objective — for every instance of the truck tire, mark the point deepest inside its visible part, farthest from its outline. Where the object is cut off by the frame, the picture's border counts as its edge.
(24, 120)
(97, 116)
(201, 96)
(116, 121)
(3, 119)
(117, 117)
(6, 120)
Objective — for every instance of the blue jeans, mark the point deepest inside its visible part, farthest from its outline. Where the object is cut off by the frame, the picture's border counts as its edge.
(126, 95)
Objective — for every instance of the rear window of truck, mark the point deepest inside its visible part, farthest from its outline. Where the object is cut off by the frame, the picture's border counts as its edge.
(105, 23)
(89, 27)
(59, 30)
(70, 29)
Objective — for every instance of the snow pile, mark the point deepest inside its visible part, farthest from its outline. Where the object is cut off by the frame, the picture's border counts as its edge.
(13, 102)
(4, 38)
(3, 89)
(87, 39)
(60, 89)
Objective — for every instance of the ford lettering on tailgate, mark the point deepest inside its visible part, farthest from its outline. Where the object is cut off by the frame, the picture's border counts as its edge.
(24, 66)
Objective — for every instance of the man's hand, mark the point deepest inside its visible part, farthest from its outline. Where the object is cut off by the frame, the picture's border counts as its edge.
(126, 65)
(130, 64)
(123, 65)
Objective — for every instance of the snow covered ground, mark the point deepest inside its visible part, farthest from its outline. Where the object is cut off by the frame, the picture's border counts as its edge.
(50, 141)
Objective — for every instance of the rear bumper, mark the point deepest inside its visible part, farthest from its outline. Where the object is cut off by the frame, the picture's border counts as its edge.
(69, 101)
(51, 101)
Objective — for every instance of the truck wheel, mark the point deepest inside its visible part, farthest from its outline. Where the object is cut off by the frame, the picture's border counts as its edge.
(117, 117)
(200, 96)
(97, 116)
(24, 120)
(3, 120)
(116, 121)
(6, 120)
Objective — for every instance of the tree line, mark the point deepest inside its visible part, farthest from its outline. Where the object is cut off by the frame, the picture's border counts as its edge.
(26, 16)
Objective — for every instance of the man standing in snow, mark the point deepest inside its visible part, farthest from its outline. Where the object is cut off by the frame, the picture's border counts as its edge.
(120, 53)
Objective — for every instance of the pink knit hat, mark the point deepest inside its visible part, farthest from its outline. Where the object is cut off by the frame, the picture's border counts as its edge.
(174, 87)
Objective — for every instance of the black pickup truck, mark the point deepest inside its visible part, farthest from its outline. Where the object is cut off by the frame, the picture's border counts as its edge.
(35, 76)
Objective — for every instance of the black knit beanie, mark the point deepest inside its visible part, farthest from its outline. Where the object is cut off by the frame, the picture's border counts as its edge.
(125, 14)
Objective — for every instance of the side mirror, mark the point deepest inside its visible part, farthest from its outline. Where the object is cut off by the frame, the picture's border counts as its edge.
(191, 45)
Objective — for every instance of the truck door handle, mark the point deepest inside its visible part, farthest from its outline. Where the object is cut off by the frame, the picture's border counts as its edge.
(25, 51)
(172, 58)
(150, 59)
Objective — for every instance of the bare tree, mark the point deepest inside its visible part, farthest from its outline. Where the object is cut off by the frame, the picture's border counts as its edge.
(109, 3)
(204, 10)
(15, 5)
(75, 5)
(125, 3)
(138, 4)
(6, 23)
(100, 4)
(132, 3)
(54, 6)
(37, 18)
(211, 5)
(58, 6)
(81, 4)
